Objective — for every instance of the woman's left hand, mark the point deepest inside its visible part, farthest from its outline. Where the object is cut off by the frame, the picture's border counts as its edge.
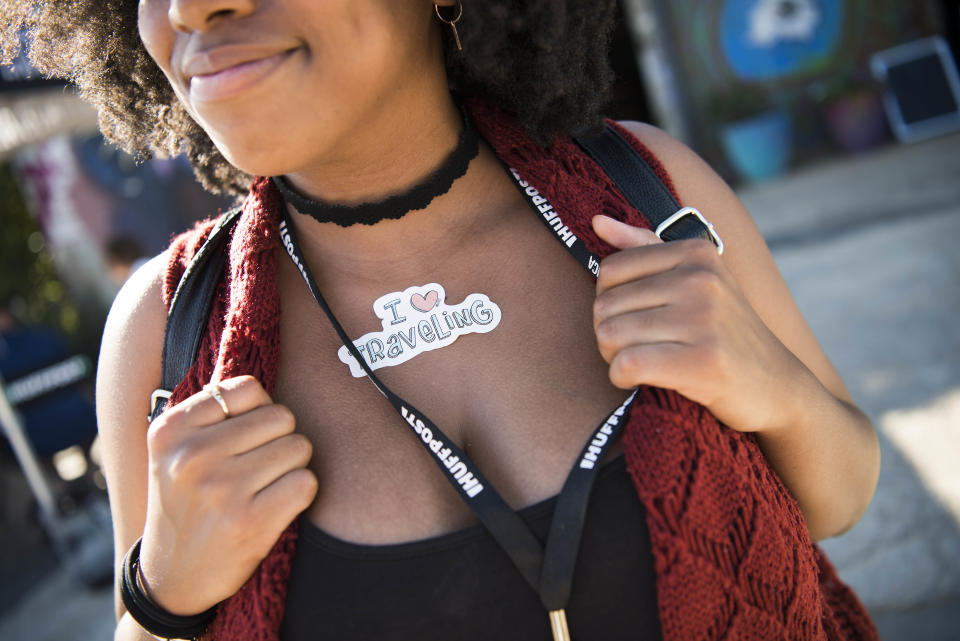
(671, 315)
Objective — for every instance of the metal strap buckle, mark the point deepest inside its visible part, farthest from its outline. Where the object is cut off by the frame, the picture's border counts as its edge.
(691, 211)
(155, 398)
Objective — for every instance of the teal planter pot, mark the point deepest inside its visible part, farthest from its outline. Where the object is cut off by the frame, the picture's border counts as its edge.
(759, 148)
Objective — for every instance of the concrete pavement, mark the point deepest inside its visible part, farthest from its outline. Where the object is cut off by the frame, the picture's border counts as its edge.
(884, 304)
(869, 249)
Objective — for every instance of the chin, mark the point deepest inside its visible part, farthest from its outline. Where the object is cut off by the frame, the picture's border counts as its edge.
(253, 160)
(259, 134)
(263, 152)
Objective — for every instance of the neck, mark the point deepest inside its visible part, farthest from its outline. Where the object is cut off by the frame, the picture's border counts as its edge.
(396, 205)
(393, 149)
(421, 238)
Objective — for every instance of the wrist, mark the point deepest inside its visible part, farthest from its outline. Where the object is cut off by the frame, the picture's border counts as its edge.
(798, 399)
(150, 615)
(164, 585)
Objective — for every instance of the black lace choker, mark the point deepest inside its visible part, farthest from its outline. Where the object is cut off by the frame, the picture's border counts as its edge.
(397, 205)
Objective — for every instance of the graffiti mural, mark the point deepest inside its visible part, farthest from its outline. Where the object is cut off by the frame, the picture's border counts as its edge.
(768, 39)
(802, 64)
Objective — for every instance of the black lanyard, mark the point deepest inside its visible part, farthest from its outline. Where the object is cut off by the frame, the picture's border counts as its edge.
(548, 571)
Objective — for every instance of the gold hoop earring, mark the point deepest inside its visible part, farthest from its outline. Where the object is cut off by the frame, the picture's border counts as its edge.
(452, 23)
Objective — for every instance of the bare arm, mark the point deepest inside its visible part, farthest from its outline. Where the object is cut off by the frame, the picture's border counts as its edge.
(822, 446)
(128, 371)
(193, 481)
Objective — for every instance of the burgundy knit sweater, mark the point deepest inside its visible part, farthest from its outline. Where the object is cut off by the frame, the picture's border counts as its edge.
(732, 553)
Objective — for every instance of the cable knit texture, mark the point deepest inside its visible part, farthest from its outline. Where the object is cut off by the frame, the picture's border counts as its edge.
(732, 553)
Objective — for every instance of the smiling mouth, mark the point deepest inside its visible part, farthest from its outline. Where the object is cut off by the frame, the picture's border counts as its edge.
(236, 79)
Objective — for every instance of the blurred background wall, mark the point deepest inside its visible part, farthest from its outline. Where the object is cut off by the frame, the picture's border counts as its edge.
(796, 71)
(74, 207)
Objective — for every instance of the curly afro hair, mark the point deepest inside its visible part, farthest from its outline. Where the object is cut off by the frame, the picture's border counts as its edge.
(543, 60)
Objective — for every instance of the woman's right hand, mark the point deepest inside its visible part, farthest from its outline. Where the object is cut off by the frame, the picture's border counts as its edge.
(221, 490)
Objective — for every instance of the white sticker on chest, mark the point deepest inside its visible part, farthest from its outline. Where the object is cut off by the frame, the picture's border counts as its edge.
(418, 320)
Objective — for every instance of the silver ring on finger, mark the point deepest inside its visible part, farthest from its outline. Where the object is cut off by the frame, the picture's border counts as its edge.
(213, 389)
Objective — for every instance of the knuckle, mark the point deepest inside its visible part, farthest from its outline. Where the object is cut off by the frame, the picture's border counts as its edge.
(276, 416)
(301, 446)
(249, 387)
(191, 411)
(184, 465)
(305, 485)
(602, 275)
(625, 367)
(701, 250)
(159, 434)
(601, 304)
(629, 360)
(283, 416)
(609, 268)
(246, 380)
(705, 282)
(607, 334)
(190, 463)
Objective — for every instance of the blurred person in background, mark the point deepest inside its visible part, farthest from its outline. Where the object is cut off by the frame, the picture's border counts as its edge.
(124, 257)
(280, 495)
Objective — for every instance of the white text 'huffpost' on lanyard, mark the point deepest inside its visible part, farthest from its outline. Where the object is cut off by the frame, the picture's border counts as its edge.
(548, 571)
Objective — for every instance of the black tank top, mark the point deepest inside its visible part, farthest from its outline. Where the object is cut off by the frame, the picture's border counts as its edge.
(462, 586)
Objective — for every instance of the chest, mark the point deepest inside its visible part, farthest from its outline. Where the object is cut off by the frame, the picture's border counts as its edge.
(520, 399)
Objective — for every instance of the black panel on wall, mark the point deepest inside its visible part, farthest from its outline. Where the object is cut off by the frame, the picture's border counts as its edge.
(628, 100)
(951, 18)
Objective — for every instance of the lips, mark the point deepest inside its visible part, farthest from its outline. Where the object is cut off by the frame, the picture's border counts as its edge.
(227, 71)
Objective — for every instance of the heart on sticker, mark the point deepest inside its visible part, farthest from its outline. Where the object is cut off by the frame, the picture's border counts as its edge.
(425, 303)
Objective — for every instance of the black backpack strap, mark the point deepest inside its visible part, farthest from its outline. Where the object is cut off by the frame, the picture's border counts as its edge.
(190, 308)
(644, 190)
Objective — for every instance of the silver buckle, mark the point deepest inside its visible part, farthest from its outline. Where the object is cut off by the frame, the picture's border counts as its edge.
(154, 398)
(691, 211)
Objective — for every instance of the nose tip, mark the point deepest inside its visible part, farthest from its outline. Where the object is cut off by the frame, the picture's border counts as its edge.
(200, 15)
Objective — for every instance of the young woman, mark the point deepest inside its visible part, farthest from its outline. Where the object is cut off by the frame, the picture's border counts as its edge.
(282, 495)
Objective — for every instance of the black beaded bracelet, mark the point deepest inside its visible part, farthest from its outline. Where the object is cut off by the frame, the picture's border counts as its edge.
(148, 614)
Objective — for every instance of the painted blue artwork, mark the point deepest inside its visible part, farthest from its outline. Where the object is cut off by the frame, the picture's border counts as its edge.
(769, 39)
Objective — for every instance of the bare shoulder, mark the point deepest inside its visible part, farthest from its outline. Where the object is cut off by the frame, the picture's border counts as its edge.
(746, 254)
(698, 185)
(127, 372)
(133, 335)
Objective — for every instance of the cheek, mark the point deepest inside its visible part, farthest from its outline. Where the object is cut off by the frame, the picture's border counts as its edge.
(155, 32)
(376, 53)
(159, 39)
